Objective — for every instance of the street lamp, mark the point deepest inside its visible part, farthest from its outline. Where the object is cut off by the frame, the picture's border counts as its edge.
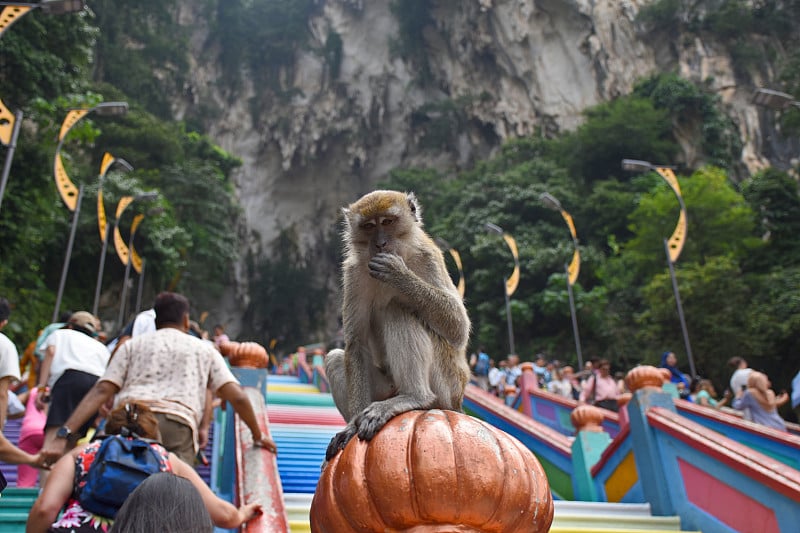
(69, 194)
(104, 228)
(572, 269)
(509, 285)
(773, 99)
(127, 254)
(444, 245)
(674, 245)
(10, 123)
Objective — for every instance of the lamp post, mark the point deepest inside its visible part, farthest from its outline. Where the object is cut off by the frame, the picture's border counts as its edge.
(10, 123)
(572, 269)
(126, 253)
(104, 228)
(509, 285)
(69, 194)
(674, 245)
(444, 245)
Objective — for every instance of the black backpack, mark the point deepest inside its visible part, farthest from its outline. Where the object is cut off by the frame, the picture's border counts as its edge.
(121, 463)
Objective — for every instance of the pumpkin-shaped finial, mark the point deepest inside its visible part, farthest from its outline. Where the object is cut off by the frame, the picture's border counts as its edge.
(249, 354)
(226, 348)
(433, 471)
(645, 376)
(587, 418)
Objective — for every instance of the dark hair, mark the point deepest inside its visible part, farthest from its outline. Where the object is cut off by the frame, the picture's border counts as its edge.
(604, 362)
(170, 308)
(163, 502)
(5, 309)
(735, 361)
(136, 417)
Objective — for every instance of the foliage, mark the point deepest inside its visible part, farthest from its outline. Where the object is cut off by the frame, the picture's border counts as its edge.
(139, 40)
(275, 311)
(698, 112)
(261, 36)
(624, 128)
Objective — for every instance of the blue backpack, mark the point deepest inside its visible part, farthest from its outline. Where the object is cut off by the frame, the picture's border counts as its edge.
(119, 466)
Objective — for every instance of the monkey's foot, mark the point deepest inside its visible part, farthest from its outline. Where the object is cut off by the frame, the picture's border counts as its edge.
(371, 420)
(339, 441)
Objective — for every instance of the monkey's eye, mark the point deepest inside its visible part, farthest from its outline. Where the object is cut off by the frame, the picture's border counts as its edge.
(368, 225)
(387, 221)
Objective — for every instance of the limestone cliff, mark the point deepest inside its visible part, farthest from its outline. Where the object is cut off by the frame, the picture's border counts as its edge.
(491, 70)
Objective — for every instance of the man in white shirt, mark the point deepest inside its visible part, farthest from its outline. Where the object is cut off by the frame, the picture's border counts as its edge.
(9, 361)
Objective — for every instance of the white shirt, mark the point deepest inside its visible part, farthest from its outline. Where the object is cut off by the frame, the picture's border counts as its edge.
(9, 358)
(145, 323)
(739, 379)
(75, 351)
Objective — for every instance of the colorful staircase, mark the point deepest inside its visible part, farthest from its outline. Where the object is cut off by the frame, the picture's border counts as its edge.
(302, 421)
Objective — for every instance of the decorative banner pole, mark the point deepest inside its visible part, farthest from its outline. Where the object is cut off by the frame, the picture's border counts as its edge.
(509, 285)
(674, 245)
(69, 193)
(102, 225)
(572, 269)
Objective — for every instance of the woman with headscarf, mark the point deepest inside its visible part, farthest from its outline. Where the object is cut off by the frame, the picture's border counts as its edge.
(762, 402)
(670, 361)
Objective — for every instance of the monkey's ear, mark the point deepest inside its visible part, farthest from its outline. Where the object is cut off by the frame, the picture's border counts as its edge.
(346, 216)
(413, 205)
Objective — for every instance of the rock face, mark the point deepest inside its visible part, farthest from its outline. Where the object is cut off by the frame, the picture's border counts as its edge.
(490, 70)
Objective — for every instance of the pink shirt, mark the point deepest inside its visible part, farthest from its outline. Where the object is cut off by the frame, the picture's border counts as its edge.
(606, 389)
(33, 422)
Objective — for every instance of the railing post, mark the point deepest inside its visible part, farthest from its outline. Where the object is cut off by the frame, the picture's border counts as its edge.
(587, 448)
(526, 382)
(645, 384)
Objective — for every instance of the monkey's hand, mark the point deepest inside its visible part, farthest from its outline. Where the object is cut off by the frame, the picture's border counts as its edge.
(339, 441)
(389, 268)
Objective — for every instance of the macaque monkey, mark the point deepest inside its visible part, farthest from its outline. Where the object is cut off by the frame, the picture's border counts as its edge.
(405, 324)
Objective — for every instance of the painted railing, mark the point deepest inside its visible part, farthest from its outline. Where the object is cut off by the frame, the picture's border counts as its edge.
(712, 482)
(246, 473)
(553, 410)
(780, 445)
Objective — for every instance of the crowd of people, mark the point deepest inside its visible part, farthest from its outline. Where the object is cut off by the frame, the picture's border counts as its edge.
(750, 391)
(157, 380)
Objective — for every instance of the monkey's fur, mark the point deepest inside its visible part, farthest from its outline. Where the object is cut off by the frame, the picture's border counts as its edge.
(405, 324)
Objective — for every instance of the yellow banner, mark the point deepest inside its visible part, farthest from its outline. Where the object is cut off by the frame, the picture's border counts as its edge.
(72, 117)
(6, 124)
(136, 260)
(570, 223)
(120, 246)
(678, 238)
(101, 215)
(513, 281)
(10, 15)
(457, 258)
(108, 160)
(574, 268)
(67, 189)
(123, 204)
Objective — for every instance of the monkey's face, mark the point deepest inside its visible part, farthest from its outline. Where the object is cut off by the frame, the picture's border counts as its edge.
(382, 221)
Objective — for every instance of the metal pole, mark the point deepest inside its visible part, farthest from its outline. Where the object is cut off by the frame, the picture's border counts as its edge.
(10, 154)
(508, 316)
(125, 286)
(574, 321)
(141, 288)
(680, 311)
(65, 268)
(100, 271)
